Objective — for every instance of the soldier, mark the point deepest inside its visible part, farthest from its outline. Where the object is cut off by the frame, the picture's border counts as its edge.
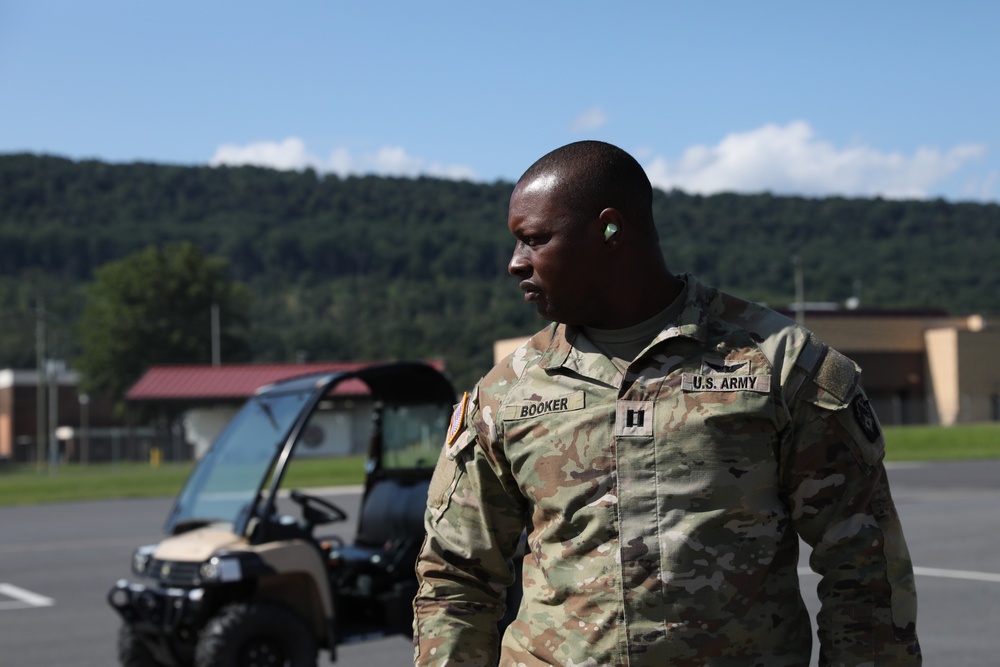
(663, 445)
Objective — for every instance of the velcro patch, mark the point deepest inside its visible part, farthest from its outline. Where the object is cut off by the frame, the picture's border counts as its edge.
(836, 375)
(529, 409)
(726, 382)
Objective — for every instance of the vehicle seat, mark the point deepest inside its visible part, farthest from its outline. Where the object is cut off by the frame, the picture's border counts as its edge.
(391, 525)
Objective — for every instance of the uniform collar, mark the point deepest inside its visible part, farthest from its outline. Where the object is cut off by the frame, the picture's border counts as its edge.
(693, 320)
(567, 348)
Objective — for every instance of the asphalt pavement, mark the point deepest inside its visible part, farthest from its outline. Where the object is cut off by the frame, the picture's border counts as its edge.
(58, 561)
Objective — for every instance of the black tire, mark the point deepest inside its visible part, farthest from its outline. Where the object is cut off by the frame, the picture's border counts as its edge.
(256, 634)
(132, 651)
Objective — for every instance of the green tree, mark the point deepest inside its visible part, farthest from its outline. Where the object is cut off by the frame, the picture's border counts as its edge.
(155, 307)
(370, 268)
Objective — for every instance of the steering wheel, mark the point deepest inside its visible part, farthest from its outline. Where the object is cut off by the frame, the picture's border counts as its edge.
(317, 511)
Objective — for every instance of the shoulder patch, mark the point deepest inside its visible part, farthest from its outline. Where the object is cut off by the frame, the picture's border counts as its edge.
(837, 375)
(866, 435)
(865, 417)
(457, 419)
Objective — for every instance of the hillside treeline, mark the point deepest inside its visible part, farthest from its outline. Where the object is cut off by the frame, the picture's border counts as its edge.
(377, 268)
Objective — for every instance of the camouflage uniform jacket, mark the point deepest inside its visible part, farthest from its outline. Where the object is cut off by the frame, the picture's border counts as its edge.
(663, 505)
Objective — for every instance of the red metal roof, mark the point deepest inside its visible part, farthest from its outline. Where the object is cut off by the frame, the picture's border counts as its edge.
(233, 381)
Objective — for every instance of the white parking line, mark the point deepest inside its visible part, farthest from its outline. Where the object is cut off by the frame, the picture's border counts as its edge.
(944, 574)
(23, 599)
(957, 574)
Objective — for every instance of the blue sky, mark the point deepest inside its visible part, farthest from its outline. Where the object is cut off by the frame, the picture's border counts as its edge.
(893, 98)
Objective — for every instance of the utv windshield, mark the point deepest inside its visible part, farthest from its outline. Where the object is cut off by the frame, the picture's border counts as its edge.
(225, 483)
(412, 434)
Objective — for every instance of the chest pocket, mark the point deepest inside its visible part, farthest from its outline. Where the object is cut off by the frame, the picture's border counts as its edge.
(718, 414)
(560, 448)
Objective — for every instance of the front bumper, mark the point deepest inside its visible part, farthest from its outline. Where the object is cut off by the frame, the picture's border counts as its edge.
(169, 609)
(166, 620)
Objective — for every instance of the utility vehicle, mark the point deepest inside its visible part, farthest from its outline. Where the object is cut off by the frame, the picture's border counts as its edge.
(245, 575)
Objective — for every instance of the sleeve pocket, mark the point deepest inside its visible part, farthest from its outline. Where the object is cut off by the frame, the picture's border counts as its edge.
(448, 472)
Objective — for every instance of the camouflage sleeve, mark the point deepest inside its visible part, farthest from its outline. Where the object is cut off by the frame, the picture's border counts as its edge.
(836, 486)
(474, 521)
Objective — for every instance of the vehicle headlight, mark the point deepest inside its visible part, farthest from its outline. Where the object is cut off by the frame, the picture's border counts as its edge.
(141, 559)
(221, 569)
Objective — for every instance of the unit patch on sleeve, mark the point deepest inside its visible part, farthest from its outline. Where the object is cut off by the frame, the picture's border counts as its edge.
(865, 417)
(528, 409)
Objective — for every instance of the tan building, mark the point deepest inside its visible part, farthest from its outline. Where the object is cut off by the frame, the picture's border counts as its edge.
(919, 367)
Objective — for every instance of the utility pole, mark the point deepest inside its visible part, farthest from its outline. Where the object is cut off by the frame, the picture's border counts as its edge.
(54, 368)
(41, 437)
(216, 347)
(800, 291)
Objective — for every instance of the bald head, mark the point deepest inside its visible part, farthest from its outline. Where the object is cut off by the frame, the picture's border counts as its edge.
(591, 176)
(582, 217)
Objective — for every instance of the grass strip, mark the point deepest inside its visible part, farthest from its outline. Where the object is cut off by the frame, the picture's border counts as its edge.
(963, 442)
(24, 485)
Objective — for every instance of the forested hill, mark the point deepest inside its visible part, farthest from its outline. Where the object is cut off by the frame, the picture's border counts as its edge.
(375, 268)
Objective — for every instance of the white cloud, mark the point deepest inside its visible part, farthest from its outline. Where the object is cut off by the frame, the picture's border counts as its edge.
(395, 161)
(591, 119)
(783, 159)
(291, 154)
(791, 160)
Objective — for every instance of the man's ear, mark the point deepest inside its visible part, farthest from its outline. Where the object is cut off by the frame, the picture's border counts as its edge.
(612, 227)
